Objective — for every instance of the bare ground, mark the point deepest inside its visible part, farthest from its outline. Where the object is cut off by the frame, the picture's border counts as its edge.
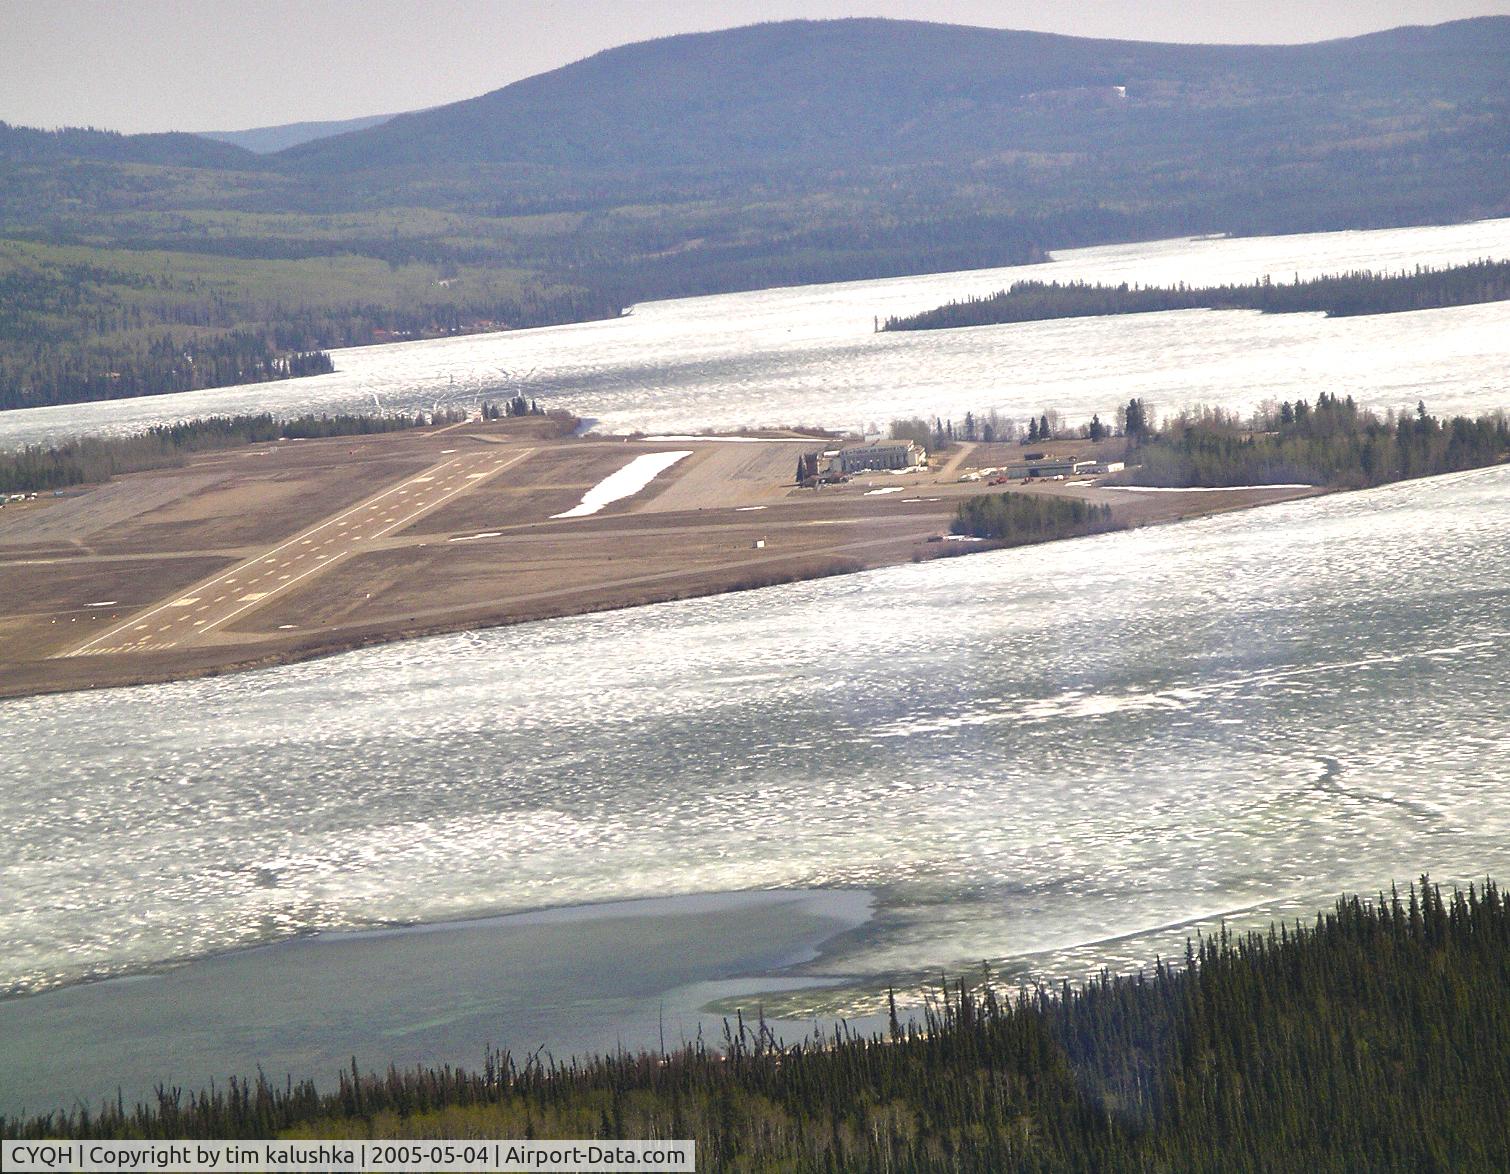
(84, 581)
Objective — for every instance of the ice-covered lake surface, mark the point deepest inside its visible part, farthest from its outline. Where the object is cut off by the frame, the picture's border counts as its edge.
(1045, 757)
(1054, 758)
(809, 354)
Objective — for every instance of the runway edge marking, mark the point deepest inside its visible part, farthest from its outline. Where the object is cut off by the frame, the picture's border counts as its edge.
(87, 648)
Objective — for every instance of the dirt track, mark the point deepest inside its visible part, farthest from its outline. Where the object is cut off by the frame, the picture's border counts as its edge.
(257, 556)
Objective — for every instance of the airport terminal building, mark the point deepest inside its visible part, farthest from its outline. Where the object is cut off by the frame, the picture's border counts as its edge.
(885, 454)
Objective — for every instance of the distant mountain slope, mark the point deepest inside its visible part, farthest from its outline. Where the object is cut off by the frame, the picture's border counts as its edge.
(22, 144)
(880, 91)
(778, 154)
(264, 140)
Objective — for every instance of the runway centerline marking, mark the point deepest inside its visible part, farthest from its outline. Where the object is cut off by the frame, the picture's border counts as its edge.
(328, 561)
(99, 643)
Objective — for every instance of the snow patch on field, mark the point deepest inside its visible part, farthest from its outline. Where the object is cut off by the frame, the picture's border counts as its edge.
(628, 481)
(682, 439)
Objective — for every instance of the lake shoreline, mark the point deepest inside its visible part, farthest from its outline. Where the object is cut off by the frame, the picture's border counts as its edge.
(432, 992)
(691, 583)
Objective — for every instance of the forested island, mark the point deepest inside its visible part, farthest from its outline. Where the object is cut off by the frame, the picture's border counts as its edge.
(1333, 443)
(1377, 1038)
(1337, 296)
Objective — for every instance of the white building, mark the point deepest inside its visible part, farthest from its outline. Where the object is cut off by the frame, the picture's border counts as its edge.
(884, 454)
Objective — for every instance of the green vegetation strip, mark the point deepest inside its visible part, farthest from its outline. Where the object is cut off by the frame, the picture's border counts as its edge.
(1015, 519)
(1339, 295)
(1377, 1038)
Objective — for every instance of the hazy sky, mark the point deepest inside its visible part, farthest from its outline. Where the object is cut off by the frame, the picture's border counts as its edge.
(137, 65)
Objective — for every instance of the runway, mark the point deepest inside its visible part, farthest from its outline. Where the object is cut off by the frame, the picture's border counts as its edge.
(193, 615)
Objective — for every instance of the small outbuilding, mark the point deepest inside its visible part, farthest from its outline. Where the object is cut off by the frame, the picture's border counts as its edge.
(1050, 467)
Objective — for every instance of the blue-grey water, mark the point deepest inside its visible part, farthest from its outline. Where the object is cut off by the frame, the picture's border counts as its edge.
(554, 983)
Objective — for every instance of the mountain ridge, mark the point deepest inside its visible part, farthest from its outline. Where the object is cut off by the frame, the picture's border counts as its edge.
(872, 71)
(268, 140)
(25, 144)
(777, 154)
(889, 50)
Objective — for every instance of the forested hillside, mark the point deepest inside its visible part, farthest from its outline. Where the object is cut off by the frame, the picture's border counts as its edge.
(25, 145)
(1376, 1038)
(776, 154)
(80, 323)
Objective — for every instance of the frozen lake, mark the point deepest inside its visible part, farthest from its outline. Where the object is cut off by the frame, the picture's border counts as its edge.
(1039, 756)
(1052, 758)
(809, 354)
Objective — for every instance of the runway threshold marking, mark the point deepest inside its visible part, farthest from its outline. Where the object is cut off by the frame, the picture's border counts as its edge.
(99, 646)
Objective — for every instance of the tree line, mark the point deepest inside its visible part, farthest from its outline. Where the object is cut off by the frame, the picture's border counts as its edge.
(1016, 519)
(74, 331)
(1377, 1037)
(991, 427)
(1332, 442)
(94, 459)
(517, 406)
(50, 374)
(1338, 295)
